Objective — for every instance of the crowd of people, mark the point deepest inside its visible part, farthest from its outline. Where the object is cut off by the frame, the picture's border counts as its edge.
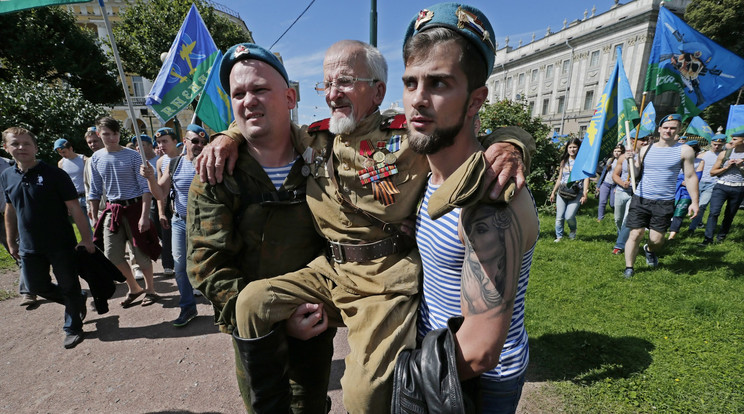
(656, 184)
(392, 226)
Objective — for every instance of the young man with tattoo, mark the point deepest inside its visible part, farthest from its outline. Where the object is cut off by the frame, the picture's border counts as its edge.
(476, 255)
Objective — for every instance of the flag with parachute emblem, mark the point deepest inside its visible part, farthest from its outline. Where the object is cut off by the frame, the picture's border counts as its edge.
(607, 127)
(685, 61)
(214, 107)
(699, 128)
(185, 71)
(735, 120)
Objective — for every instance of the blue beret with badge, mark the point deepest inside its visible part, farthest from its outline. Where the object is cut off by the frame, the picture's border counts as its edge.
(198, 130)
(60, 143)
(692, 142)
(143, 137)
(245, 51)
(671, 117)
(467, 20)
(719, 137)
(165, 131)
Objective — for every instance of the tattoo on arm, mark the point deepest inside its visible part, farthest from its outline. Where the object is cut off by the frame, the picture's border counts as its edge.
(491, 269)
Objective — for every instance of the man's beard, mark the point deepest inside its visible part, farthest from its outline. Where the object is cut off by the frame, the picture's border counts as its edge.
(342, 124)
(441, 138)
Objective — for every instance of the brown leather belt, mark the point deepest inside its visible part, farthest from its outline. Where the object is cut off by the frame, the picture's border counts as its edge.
(345, 252)
(128, 202)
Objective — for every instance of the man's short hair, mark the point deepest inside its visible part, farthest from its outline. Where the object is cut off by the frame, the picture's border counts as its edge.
(471, 59)
(19, 131)
(108, 122)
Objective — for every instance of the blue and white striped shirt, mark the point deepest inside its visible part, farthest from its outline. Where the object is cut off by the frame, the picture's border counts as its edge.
(443, 254)
(279, 174)
(660, 169)
(117, 174)
(182, 178)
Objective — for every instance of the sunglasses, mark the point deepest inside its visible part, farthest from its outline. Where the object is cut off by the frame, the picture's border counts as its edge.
(197, 141)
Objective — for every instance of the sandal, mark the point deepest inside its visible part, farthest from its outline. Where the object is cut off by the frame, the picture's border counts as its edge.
(131, 297)
(150, 298)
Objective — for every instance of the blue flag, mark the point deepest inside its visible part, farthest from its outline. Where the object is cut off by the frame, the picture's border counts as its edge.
(699, 128)
(184, 72)
(214, 106)
(607, 127)
(735, 120)
(648, 123)
(685, 61)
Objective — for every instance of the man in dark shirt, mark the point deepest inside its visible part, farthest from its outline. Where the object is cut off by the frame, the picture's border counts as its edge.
(38, 197)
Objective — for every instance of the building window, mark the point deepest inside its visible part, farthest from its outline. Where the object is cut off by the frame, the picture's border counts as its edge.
(549, 72)
(546, 104)
(589, 100)
(564, 68)
(534, 75)
(531, 107)
(582, 131)
(496, 90)
(561, 102)
(614, 51)
(594, 59)
(508, 83)
(139, 87)
(520, 79)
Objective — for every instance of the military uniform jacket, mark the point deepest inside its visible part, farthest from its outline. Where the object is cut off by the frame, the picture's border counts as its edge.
(233, 238)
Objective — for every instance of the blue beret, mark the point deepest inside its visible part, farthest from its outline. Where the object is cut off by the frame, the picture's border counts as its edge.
(738, 134)
(165, 131)
(467, 20)
(60, 143)
(245, 51)
(91, 129)
(671, 117)
(143, 137)
(198, 130)
(691, 143)
(719, 137)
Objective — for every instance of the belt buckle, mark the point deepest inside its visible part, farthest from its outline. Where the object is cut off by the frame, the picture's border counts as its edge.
(337, 252)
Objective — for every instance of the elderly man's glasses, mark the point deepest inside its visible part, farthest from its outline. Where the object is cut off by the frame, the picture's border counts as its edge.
(342, 84)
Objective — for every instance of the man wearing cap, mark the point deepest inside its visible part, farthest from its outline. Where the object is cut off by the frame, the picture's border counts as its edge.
(369, 275)
(256, 224)
(167, 142)
(177, 178)
(74, 165)
(483, 277)
(707, 181)
(652, 206)
(116, 173)
(729, 172)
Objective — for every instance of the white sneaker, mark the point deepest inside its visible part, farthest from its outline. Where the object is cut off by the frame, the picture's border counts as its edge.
(138, 275)
(557, 240)
(168, 271)
(197, 292)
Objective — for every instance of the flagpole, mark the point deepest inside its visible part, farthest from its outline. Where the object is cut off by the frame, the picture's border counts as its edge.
(631, 162)
(123, 81)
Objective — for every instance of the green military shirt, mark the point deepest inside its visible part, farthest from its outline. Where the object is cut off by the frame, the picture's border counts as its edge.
(233, 240)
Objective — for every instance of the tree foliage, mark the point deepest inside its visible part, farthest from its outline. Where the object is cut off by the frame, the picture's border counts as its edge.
(722, 21)
(148, 27)
(50, 111)
(45, 44)
(545, 159)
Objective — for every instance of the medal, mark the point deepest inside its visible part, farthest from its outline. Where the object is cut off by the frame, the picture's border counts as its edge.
(390, 158)
(379, 156)
(365, 148)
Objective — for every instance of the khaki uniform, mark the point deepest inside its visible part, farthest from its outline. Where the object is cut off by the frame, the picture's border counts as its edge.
(234, 240)
(376, 299)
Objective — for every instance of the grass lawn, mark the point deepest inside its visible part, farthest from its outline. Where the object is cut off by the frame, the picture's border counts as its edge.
(667, 340)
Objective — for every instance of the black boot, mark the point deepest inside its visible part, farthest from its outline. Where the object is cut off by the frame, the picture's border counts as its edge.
(309, 372)
(266, 363)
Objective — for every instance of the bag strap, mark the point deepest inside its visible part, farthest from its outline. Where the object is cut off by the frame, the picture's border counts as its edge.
(643, 162)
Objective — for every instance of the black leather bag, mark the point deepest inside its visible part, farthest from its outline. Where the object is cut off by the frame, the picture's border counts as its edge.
(569, 192)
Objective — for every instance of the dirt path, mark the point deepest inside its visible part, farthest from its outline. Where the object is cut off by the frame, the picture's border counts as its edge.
(134, 361)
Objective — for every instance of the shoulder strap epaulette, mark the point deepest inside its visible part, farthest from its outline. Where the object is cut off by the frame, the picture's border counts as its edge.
(321, 125)
(394, 122)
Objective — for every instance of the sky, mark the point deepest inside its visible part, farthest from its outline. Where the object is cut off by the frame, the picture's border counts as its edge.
(327, 21)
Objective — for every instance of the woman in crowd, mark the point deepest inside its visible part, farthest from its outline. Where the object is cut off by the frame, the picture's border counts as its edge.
(605, 185)
(569, 195)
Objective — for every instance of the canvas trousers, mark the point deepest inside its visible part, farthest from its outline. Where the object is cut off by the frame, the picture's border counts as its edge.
(379, 327)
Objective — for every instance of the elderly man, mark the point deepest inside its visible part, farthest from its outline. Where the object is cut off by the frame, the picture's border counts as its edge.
(363, 182)
(482, 273)
(652, 206)
(176, 179)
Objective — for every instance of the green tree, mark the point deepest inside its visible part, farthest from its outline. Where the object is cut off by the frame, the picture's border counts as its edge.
(722, 21)
(545, 159)
(50, 111)
(45, 44)
(148, 27)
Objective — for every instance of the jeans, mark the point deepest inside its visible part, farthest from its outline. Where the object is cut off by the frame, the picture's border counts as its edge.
(35, 268)
(501, 397)
(706, 191)
(566, 210)
(606, 190)
(178, 232)
(722, 194)
(622, 204)
(166, 256)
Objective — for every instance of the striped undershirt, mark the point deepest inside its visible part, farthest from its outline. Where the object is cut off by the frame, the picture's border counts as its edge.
(117, 174)
(661, 166)
(279, 174)
(443, 254)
